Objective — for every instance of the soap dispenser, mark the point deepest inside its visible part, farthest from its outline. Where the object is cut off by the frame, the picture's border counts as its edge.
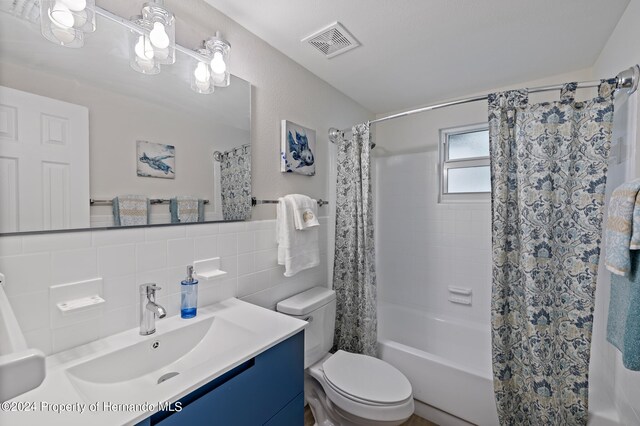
(189, 299)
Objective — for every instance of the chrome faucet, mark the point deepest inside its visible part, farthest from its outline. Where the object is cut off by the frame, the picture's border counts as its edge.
(149, 309)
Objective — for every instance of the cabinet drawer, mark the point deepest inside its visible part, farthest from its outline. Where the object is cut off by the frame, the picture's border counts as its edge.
(291, 415)
(250, 394)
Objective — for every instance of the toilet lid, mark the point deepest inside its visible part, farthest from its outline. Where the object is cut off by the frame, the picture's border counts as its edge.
(366, 378)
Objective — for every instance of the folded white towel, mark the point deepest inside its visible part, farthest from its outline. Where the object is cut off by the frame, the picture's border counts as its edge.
(297, 250)
(305, 211)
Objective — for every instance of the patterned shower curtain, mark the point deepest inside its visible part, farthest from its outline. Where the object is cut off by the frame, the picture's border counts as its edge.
(548, 175)
(235, 183)
(354, 274)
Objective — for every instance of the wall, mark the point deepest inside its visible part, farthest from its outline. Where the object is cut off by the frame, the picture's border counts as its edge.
(282, 89)
(112, 136)
(619, 53)
(423, 246)
(126, 258)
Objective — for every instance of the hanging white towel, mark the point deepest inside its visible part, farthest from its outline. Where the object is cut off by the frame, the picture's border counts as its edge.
(297, 250)
(305, 211)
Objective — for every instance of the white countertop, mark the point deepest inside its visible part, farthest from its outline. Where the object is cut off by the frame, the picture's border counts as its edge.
(60, 400)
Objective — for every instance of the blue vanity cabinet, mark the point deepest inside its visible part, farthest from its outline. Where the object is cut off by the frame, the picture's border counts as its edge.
(266, 390)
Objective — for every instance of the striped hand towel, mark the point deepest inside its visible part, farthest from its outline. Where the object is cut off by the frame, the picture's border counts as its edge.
(129, 210)
(186, 209)
(623, 227)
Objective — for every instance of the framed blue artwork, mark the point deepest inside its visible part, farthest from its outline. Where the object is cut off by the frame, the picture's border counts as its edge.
(298, 147)
(156, 160)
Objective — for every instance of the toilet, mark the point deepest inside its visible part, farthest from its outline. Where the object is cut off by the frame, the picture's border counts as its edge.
(345, 389)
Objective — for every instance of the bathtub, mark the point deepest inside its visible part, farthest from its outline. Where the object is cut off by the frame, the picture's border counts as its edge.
(448, 362)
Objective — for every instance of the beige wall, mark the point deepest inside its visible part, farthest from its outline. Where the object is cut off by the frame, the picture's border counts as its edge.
(282, 89)
(116, 121)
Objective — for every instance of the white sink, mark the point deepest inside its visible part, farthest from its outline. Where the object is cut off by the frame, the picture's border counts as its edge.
(159, 358)
(21, 368)
(133, 370)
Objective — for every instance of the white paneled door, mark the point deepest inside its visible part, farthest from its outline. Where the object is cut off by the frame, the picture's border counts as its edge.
(44, 163)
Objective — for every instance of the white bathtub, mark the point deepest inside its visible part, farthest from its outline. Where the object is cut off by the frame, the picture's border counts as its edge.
(448, 362)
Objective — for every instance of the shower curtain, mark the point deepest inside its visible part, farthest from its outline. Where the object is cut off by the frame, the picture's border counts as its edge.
(354, 274)
(235, 183)
(548, 175)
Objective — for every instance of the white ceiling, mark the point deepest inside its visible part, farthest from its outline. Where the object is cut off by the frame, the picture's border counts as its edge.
(418, 51)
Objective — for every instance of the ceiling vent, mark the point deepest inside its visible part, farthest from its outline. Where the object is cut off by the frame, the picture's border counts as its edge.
(332, 40)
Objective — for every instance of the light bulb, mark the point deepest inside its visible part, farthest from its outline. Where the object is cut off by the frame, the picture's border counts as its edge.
(61, 16)
(63, 35)
(80, 19)
(202, 73)
(219, 78)
(158, 36)
(217, 63)
(145, 64)
(162, 54)
(143, 48)
(203, 86)
(75, 5)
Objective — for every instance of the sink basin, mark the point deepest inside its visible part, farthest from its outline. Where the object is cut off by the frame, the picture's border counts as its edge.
(122, 374)
(127, 377)
(21, 368)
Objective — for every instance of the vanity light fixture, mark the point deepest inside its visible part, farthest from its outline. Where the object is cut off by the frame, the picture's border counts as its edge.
(219, 50)
(151, 41)
(141, 51)
(163, 31)
(64, 22)
(201, 77)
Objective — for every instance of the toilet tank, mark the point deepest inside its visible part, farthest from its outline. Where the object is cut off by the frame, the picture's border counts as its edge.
(317, 306)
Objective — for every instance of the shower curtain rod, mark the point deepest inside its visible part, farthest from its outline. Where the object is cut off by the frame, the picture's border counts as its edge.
(627, 79)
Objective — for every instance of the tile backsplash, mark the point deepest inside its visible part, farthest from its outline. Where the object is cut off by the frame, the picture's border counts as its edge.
(126, 258)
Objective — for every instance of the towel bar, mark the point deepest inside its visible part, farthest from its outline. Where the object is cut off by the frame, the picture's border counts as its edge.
(255, 202)
(95, 202)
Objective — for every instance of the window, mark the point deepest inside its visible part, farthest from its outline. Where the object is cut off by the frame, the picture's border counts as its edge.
(464, 163)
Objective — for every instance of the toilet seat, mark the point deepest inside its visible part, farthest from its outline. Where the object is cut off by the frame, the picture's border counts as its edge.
(345, 389)
(366, 379)
(358, 400)
(364, 387)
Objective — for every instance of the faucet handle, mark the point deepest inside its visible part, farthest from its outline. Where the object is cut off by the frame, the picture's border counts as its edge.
(149, 288)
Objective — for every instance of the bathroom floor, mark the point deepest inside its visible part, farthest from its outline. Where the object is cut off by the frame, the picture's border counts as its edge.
(413, 420)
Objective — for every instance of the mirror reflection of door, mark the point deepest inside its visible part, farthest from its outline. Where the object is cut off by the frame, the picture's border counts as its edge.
(44, 163)
(39, 183)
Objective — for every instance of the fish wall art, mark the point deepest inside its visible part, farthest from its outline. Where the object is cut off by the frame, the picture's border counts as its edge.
(156, 160)
(298, 147)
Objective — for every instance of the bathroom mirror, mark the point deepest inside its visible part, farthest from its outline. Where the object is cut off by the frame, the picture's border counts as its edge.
(79, 127)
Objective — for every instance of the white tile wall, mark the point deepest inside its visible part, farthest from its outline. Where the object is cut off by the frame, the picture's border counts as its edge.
(423, 246)
(126, 258)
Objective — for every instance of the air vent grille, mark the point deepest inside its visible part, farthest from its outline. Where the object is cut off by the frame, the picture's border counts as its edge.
(332, 40)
